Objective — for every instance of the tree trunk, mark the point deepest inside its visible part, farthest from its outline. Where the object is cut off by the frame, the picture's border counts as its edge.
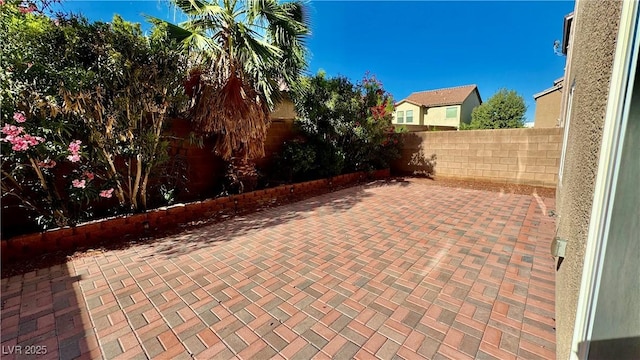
(114, 175)
(157, 123)
(61, 216)
(136, 182)
(143, 189)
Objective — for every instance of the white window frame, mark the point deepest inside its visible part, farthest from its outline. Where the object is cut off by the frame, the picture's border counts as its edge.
(446, 112)
(406, 117)
(400, 117)
(565, 136)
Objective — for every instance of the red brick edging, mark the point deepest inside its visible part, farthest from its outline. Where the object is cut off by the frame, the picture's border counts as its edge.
(167, 218)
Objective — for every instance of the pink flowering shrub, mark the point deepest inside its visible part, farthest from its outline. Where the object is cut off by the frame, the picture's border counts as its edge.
(75, 141)
(31, 171)
(45, 150)
(32, 174)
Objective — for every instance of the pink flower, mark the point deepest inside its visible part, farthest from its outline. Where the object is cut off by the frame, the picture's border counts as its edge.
(32, 140)
(74, 147)
(27, 10)
(1, 2)
(74, 158)
(78, 183)
(19, 144)
(47, 164)
(106, 193)
(19, 117)
(12, 130)
(89, 175)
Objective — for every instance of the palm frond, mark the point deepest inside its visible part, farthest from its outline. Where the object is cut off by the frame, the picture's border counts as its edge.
(240, 117)
(174, 31)
(210, 10)
(251, 47)
(190, 7)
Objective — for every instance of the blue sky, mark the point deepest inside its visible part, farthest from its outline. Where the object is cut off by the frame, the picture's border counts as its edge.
(416, 45)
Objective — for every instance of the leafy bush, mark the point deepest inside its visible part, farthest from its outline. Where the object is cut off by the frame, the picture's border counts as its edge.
(83, 110)
(307, 160)
(504, 110)
(296, 161)
(347, 127)
(44, 162)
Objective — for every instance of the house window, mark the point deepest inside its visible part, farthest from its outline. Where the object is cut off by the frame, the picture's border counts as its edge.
(452, 112)
(409, 118)
(400, 117)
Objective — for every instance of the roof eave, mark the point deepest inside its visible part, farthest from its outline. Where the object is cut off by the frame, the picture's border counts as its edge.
(409, 101)
(547, 91)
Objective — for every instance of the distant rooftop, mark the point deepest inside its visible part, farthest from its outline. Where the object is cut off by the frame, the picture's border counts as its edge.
(441, 97)
(557, 85)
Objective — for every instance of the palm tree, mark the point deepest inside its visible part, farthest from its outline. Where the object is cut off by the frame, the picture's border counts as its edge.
(244, 52)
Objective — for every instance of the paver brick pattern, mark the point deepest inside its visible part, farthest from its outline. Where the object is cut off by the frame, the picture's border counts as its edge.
(384, 270)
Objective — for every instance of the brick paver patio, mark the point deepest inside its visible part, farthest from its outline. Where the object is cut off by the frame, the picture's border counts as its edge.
(383, 270)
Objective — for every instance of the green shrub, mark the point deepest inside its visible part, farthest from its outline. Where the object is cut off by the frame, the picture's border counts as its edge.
(348, 127)
(296, 161)
(84, 106)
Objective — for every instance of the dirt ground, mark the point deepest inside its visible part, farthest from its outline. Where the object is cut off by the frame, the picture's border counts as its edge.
(506, 188)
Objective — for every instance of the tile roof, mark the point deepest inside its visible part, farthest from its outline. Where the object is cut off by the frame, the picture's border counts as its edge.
(439, 97)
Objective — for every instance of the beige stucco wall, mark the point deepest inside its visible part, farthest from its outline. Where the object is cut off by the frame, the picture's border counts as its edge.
(280, 130)
(417, 115)
(285, 110)
(437, 116)
(467, 107)
(595, 30)
(525, 156)
(548, 109)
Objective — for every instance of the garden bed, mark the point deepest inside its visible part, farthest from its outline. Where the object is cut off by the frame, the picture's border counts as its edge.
(54, 245)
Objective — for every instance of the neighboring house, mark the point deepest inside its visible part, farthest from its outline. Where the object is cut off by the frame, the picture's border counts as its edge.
(548, 106)
(441, 109)
(598, 198)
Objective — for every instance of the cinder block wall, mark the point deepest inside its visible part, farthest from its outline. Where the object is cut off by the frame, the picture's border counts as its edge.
(523, 156)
